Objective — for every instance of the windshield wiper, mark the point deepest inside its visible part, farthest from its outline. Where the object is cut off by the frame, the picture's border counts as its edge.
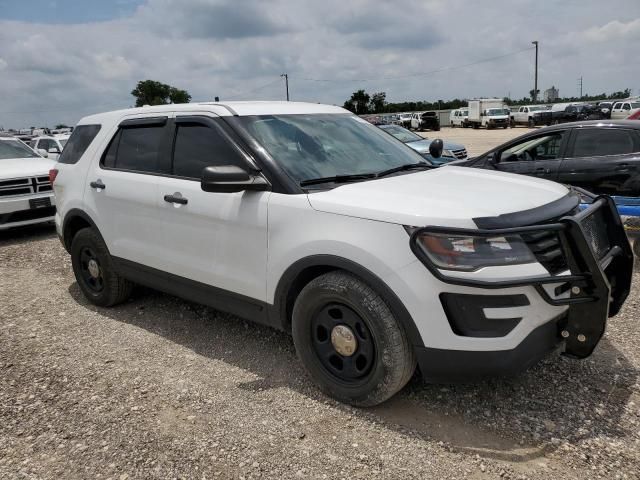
(408, 166)
(337, 179)
(365, 176)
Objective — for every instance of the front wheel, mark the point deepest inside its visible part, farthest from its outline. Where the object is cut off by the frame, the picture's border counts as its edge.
(349, 340)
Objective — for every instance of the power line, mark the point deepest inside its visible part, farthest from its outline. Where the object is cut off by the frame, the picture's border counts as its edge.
(423, 74)
(277, 80)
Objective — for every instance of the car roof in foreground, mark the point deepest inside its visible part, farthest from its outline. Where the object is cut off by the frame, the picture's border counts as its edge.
(224, 109)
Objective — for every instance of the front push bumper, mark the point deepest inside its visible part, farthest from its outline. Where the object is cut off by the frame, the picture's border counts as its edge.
(599, 262)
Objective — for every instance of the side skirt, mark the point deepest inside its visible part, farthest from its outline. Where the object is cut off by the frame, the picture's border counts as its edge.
(223, 300)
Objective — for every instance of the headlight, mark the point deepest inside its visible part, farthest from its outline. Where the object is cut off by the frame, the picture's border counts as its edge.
(468, 253)
(448, 153)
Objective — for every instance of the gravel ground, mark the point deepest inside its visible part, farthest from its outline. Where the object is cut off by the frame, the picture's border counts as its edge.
(162, 388)
(477, 141)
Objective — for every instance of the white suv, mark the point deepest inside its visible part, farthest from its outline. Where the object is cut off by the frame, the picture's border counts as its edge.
(26, 196)
(309, 219)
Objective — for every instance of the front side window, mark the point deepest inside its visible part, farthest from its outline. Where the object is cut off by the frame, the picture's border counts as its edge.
(594, 142)
(618, 106)
(626, 106)
(546, 147)
(11, 149)
(198, 146)
(322, 145)
(78, 143)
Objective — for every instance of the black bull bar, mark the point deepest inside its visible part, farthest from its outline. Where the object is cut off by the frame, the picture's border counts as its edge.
(599, 259)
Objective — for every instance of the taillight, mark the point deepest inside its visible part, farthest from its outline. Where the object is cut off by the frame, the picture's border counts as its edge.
(53, 173)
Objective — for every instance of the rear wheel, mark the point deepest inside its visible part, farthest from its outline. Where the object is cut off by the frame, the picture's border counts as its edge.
(530, 123)
(349, 341)
(94, 271)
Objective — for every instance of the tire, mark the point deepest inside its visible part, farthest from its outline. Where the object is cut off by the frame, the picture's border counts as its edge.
(383, 360)
(452, 125)
(636, 247)
(102, 287)
(530, 123)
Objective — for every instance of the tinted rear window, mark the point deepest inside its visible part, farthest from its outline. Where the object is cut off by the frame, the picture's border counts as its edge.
(596, 142)
(135, 148)
(78, 143)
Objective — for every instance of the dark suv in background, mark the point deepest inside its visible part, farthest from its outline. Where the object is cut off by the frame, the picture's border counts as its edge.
(599, 157)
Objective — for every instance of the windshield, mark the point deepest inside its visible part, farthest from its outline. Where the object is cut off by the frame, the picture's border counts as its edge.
(492, 112)
(324, 145)
(10, 149)
(635, 105)
(402, 134)
(535, 109)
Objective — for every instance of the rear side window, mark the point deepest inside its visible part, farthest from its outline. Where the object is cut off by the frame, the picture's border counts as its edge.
(78, 143)
(135, 148)
(198, 146)
(603, 141)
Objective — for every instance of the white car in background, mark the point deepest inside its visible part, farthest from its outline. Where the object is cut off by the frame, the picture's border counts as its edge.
(26, 196)
(624, 109)
(459, 117)
(50, 146)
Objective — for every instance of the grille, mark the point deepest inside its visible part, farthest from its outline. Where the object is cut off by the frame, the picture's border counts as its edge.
(24, 186)
(547, 249)
(24, 215)
(460, 154)
(595, 231)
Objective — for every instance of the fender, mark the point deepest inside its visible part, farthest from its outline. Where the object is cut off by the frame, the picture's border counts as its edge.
(313, 266)
(72, 214)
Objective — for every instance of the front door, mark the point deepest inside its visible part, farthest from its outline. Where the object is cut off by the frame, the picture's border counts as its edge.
(537, 156)
(217, 239)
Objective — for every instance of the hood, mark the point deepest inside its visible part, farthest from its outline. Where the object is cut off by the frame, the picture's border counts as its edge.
(422, 146)
(25, 167)
(446, 196)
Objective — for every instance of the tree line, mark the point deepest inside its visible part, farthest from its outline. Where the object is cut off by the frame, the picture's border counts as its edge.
(363, 103)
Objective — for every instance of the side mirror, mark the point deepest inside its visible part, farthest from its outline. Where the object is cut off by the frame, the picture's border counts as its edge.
(43, 153)
(230, 178)
(436, 147)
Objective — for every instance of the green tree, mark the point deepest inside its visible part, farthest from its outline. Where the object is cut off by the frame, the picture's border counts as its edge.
(150, 92)
(358, 103)
(378, 102)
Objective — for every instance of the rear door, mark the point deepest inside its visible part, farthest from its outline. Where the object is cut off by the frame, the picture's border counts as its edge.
(603, 160)
(536, 156)
(218, 239)
(122, 189)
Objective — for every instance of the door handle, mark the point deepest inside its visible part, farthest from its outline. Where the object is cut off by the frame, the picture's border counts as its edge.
(542, 170)
(622, 166)
(175, 199)
(98, 185)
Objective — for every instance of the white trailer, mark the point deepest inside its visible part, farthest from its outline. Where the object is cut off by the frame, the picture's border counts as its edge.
(488, 112)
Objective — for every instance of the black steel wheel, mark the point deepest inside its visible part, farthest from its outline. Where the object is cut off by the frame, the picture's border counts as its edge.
(349, 340)
(343, 342)
(91, 271)
(94, 270)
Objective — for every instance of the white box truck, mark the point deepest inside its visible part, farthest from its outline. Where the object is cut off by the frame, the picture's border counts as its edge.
(488, 112)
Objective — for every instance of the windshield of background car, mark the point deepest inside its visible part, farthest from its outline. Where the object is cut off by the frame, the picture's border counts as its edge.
(496, 111)
(535, 109)
(635, 105)
(15, 149)
(324, 145)
(465, 113)
(403, 134)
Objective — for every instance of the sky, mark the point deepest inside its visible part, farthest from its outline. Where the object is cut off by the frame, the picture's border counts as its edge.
(64, 59)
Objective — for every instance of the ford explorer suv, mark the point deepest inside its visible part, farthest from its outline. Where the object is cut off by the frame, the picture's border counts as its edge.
(26, 196)
(309, 219)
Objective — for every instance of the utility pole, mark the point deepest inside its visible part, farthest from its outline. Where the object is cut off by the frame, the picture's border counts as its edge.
(580, 85)
(535, 82)
(286, 83)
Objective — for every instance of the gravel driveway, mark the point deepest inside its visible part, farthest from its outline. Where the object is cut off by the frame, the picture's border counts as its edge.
(162, 388)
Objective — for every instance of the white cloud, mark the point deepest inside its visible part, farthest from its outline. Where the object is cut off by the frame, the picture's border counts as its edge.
(226, 48)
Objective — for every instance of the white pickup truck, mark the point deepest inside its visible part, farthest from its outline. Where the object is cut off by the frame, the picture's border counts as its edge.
(531, 115)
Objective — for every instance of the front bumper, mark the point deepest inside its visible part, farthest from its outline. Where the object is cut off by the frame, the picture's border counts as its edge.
(26, 210)
(600, 264)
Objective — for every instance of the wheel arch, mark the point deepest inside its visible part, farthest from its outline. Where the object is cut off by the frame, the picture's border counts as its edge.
(74, 221)
(300, 273)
